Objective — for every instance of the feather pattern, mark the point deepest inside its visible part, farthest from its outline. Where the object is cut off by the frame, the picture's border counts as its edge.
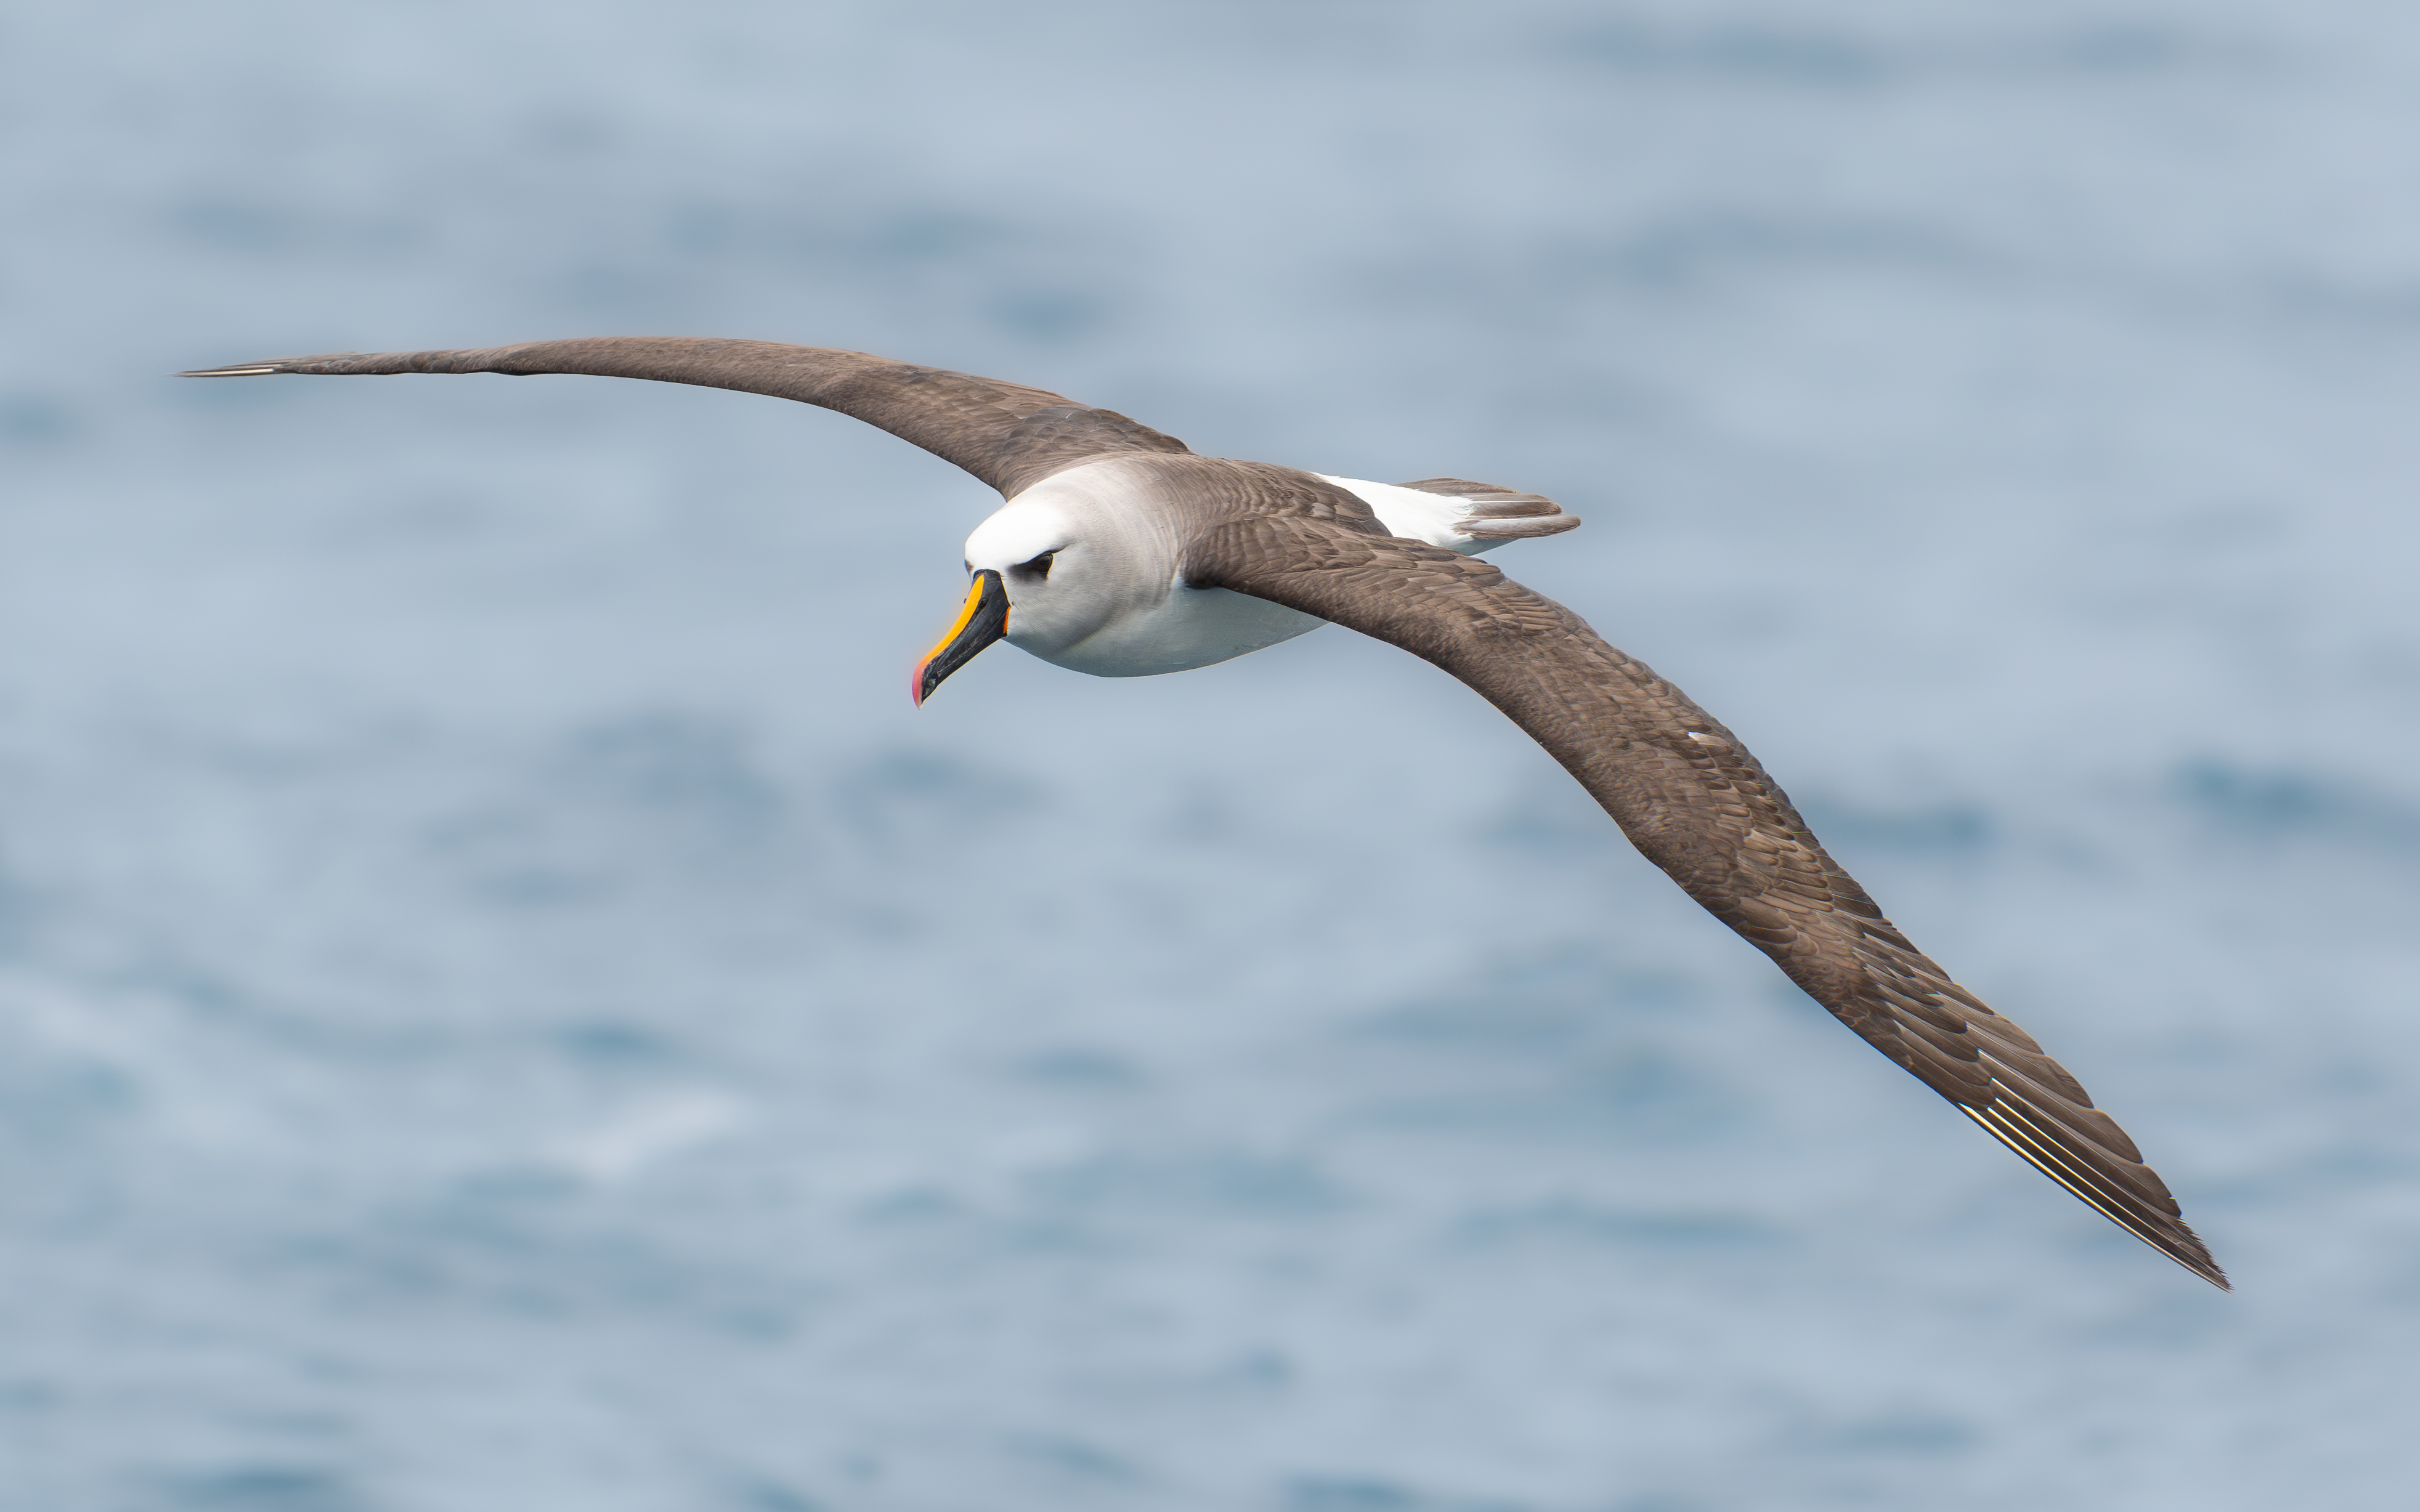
(1006, 434)
(1695, 802)
(1683, 788)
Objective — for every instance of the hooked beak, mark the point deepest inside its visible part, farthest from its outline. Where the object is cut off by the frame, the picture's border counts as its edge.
(983, 620)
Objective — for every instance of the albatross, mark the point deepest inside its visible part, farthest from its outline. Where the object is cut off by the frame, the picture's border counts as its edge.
(1122, 553)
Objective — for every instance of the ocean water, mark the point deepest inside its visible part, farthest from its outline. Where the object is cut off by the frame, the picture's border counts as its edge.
(504, 1004)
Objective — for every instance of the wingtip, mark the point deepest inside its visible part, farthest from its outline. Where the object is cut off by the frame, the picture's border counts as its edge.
(264, 366)
(236, 370)
(2201, 1262)
(2185, 1247)
(2172, 1236)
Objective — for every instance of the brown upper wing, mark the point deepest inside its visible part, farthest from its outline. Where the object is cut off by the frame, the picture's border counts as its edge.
(1696, 804)
(1006, 434)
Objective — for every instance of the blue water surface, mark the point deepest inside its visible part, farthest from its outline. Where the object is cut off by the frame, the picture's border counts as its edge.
(504, 1004)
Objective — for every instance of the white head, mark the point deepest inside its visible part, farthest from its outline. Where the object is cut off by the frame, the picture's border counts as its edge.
(1082, 570)
(1049, 569)
(1058, 569)
(1079, 559)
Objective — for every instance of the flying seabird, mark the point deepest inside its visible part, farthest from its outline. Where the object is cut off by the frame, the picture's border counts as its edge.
(1122, 553)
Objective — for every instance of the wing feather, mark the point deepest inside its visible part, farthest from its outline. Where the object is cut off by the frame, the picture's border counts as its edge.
(1497, 512)
(1692, 799)
(1006, 434)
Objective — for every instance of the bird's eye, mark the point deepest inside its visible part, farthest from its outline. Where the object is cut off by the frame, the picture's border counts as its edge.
(1039, 566)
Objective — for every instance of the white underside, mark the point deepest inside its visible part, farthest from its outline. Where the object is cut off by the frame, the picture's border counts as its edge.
(1190, 627)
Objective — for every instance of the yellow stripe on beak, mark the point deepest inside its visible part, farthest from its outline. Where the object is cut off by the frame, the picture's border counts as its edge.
(981, 621)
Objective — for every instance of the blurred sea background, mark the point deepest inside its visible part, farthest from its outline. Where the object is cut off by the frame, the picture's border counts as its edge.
(504, 1004)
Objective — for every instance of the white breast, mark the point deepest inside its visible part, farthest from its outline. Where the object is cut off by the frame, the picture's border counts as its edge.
(1189, 628)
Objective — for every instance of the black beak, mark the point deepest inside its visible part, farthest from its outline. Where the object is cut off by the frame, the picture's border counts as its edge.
(983, 620)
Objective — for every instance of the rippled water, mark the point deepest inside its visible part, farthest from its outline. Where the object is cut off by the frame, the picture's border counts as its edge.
(504, 1004)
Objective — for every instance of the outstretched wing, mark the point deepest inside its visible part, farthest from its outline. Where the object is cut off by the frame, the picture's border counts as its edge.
(1696, 804)
(1009, 436)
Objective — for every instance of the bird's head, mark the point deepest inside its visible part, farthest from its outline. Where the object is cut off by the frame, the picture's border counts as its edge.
(1051, 574)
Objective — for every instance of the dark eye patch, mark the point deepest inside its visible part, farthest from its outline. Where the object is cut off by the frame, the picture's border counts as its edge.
(1039, 566)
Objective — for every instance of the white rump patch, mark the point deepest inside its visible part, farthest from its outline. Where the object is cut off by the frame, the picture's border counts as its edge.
(1446, 519)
